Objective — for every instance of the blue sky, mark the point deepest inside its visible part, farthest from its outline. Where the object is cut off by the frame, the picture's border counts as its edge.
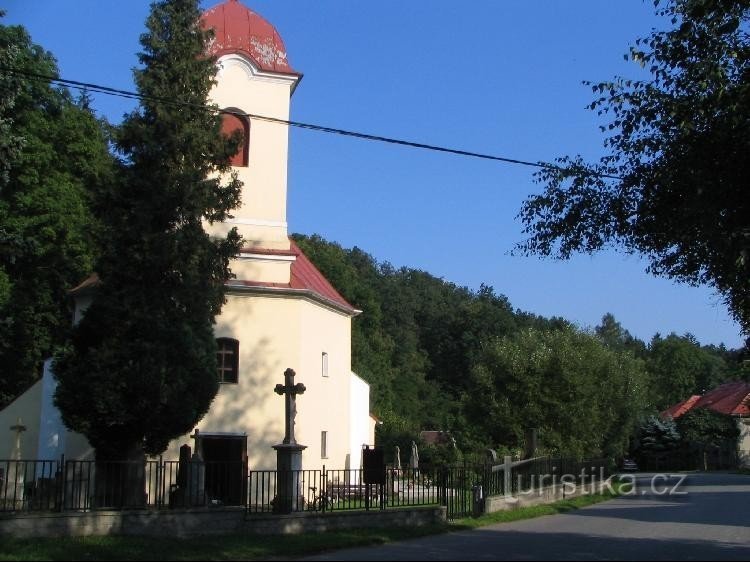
(501, 77)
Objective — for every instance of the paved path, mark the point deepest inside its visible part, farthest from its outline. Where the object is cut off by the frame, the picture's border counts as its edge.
(709, 521)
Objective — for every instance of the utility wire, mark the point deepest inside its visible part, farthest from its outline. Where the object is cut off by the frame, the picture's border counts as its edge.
(89, 87)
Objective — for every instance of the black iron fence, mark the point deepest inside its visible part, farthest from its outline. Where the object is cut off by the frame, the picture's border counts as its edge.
(73, 485)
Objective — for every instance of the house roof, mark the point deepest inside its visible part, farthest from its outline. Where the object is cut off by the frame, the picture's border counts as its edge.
(237, 29)
(681, 407)
(732, 398)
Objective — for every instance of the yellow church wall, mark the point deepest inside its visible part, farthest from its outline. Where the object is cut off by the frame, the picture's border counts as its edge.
(270, 329)
(27, 407)
(261, 269)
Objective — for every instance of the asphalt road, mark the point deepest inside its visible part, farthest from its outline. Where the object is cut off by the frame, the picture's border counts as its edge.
(706, 517)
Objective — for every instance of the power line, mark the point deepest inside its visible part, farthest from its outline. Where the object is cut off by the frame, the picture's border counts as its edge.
(89, 87)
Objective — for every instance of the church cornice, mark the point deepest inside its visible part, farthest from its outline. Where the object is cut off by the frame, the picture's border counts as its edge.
(281, 290)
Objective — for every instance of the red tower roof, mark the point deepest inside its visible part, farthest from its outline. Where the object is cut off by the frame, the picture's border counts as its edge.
(238, 29)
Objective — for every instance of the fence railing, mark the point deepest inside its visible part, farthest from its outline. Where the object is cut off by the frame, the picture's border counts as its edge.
(73, 485)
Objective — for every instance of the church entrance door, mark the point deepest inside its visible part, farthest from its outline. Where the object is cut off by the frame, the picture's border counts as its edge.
(225, 456)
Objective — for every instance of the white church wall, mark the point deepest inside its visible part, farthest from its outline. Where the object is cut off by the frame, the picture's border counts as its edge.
(52, 432)
(26, 407)
(359, 407)
(325, 404)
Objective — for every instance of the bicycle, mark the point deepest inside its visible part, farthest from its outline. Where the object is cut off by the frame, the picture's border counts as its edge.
(320, 502)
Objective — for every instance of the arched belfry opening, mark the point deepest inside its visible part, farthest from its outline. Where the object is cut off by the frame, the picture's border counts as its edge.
(234, 120)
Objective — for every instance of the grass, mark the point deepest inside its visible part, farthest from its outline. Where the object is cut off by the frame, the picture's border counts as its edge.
(256, 547)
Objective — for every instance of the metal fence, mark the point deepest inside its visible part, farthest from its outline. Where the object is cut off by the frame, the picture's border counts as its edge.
(72, 485)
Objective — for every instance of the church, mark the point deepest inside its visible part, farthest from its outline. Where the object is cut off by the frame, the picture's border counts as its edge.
(280, 311)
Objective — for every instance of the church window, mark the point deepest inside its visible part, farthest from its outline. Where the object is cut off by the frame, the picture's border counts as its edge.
(230, 123)
(323, 444)
(228, 360)
(325, 364)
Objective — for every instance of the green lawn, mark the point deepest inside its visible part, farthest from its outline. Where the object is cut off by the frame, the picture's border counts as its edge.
(252, 547)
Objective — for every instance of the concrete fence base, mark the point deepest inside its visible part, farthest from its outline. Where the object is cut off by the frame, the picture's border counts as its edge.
(549, 494)
(195, 522)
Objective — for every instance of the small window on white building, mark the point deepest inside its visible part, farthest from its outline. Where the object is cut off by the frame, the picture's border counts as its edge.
(325, 364)
(323, 444)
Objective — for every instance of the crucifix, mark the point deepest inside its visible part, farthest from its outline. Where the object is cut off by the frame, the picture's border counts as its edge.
(290, 391)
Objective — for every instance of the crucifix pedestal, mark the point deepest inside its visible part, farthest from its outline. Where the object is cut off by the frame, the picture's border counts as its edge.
(289, 452)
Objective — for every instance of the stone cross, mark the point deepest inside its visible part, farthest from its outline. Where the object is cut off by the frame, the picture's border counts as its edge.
(290, 391)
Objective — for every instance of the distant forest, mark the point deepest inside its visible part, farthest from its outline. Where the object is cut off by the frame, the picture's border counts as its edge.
(442, 357)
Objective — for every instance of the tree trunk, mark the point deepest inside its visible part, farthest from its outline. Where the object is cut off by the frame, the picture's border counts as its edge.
(120, 482)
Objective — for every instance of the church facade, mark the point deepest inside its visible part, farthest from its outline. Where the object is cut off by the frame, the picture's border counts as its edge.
(280, 311)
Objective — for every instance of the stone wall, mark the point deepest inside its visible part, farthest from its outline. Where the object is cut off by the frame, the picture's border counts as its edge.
(185, 523)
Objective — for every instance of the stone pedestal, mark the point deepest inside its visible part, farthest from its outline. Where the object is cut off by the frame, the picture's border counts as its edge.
(289, 492)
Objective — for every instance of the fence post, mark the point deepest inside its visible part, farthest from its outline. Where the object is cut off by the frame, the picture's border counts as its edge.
(63, 482)
(507, 476)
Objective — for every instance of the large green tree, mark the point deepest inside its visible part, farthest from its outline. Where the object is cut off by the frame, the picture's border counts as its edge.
(673, 184)
(679, 368)
(141, 367)
(53, 157)
(583, 398)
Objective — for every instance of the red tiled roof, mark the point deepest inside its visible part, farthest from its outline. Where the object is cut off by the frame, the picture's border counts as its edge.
(681, 407)
(238, 29)
(732, 398)
(304, 277)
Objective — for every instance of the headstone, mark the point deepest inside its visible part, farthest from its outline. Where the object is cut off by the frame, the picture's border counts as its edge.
(414, 459)
(17, 468)
(197, 473)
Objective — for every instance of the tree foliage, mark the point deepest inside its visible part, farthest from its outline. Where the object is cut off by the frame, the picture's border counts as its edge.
(673, 185)
(704, 426)
(53, 158)
(659, 436)
(582, 397)
(141, 368)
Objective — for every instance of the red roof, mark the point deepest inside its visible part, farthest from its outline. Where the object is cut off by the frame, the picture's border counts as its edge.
(304, 277)
(732, 398)
(681, 407)
(238, 29)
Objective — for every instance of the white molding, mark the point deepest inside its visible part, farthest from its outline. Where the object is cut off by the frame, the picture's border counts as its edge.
(252, 71)
(266, 257)
(257, 222)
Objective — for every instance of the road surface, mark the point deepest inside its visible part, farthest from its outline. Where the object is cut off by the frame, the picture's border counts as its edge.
(706, 517)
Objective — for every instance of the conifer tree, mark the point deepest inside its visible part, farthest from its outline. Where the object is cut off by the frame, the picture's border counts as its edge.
(141, 367)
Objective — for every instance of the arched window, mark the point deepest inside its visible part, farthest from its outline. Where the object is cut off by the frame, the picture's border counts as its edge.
(227, 360)
(231, 123)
